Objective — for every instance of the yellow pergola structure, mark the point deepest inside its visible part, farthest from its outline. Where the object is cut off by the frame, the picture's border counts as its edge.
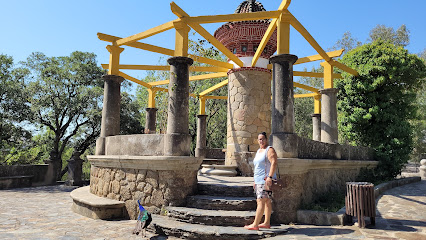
(281, 20)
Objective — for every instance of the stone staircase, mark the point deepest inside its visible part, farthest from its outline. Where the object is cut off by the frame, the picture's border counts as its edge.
(219, 211)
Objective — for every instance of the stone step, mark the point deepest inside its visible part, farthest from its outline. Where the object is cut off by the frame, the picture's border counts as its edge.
(225, 190)
(95, 207)
(212, 161)
(218, 170)
(166, 226)
(211, 217)
(222, 203)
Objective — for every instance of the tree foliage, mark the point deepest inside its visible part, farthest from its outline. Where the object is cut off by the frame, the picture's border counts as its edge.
(64, 94)
(375, 108)
(400, 37)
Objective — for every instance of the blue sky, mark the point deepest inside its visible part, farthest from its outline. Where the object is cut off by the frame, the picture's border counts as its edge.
(58, 28)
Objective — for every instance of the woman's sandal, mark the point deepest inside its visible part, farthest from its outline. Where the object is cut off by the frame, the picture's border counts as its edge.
(264, 226)
(251, 228)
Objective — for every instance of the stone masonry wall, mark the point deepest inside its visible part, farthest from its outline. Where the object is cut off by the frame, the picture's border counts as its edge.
(249, 112)
(154, 189)
(303, 186)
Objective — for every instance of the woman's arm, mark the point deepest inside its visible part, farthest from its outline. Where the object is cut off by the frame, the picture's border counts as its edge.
(272, 157)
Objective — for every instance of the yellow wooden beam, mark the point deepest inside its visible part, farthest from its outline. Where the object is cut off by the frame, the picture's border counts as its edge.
(181, 42)
(318, 57)
(216, 97)
(234, 17)
(283, 34)
(344, 67)
(151, 97)
(193, 78)
(317, 104)
(271, 28)
(208, 69)
(314, 74)
(202, 106)
(114, 59)
(328, 75)
(302, 30)
(284, 5)
(215, 87)
(211, 61)
(140, 67)
(135, 80)
(205, 34)
(165, 51)
(306, 87)
(145, 34)
(305, 95)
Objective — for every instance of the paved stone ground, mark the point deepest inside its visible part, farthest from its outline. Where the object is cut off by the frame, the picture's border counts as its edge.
(45, 213)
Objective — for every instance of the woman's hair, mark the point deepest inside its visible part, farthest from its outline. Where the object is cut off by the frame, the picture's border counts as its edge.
(264, 134)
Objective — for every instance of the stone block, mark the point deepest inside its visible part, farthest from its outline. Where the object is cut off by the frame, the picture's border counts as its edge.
(286, 145)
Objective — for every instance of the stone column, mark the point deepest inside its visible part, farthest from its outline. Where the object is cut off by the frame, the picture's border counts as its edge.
(249, 112)
(283, 137)
(316, 127)
(177, 140)
(75, 170)
(110, 125)
(200, 150)
(151, 120)
(329, 132)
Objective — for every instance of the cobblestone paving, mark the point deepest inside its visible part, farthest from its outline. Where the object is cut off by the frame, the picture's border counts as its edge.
(45, 213)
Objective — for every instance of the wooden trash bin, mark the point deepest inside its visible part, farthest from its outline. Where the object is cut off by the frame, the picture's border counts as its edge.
(360, 202)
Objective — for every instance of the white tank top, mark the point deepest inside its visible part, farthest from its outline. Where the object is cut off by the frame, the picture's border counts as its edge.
(262, 166)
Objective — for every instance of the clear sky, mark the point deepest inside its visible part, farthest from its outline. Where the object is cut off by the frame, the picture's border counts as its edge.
(58, 27)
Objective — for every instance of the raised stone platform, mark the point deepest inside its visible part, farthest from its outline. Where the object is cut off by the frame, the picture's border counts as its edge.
(92, 206)
(15, 182)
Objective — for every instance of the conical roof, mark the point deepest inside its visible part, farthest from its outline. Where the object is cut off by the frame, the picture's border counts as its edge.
(250, 6)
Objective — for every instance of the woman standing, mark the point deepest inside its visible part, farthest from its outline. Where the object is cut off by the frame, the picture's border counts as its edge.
(265, 163)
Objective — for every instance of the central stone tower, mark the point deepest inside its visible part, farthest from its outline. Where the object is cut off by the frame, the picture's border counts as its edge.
(249, 88)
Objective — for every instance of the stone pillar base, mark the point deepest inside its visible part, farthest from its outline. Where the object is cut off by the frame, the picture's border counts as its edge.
(200, 152)
(285, 144)
(177, 144)
(100, 146)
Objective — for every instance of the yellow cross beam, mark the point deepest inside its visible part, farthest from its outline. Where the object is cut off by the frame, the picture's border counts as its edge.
(159, 29)
(233, 17)
(306, 87)
(167, 68)
(302, 30)
(204, 33)
(215, 87)
(344, 67)
(193, 78)
(314, 74)
(165, 51)
(306, 95)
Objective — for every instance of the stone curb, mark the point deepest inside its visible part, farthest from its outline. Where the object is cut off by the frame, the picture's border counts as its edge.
(321, 218)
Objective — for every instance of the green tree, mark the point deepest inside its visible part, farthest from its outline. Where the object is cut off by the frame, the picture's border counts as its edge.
(13, 108)
(419, 123)
(347, 42)
(61, 92)
(400, 37)
(375, 108)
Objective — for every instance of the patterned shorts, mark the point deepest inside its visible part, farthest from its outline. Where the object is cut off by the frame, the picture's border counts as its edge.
(260, 191)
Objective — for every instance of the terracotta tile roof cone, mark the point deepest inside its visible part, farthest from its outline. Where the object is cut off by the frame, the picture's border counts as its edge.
(242, 38)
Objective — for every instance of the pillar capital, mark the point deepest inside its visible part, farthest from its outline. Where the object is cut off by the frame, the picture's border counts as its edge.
(316, 115)
(180, 60)
(329, 91)
(282, 58)
(109, 77)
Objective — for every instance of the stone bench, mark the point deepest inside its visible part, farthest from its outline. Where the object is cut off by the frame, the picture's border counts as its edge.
(92, 206)
(15, 181)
